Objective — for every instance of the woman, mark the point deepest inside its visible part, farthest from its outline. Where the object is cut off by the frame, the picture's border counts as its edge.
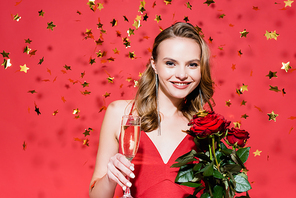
(174, 86)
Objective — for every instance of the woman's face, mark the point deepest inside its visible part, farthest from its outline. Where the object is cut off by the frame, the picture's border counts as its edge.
(178, 67)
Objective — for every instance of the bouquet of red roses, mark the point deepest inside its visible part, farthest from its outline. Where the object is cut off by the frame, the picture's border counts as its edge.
(215, 169)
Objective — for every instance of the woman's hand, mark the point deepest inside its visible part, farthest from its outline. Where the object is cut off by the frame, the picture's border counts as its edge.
(118, 166)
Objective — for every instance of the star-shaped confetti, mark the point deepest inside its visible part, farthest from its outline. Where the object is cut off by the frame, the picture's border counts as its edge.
(28, 41)
(244, 116)
(130, 32)
(275, 88)
(110, 79)
(106, 94)
(126, 42)
(243, 103)
(237, 124)
(5, 54)
(92, 60)
(257, 153)
(188, 5)
(85, 84)
(286, 66)
(271, 35)
(272, 116)
(75, 111)
(209, 2)
(167, 2)
(27, 50)
(131, 55)
(55, 112)
(233, 67)
(222, 16)
(271, 75)
(100, 6)
(255, 8)
(67, 67)
(288, 3)
(16, 17)
(113, 22)
(6, 63)
(32, 91)
(50, 25)
(228, 103)
(244, 88)
(239, 53)
(41, 13)
(243, 33)
(157, 18)
(33, 52)
(186, 19)
(145, 17)
(41, 61)
(137, 24)
(24, 68)
(37, 110)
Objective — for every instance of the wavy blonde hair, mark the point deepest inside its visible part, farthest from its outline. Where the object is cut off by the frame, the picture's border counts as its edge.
(146, 101)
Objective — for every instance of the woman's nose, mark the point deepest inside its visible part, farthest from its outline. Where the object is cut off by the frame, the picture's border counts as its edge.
(181, 73)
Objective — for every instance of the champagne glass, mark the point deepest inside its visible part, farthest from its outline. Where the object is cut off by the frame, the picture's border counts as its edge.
(129, 140)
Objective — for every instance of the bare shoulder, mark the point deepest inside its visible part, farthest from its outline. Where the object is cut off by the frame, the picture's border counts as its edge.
(119, 108)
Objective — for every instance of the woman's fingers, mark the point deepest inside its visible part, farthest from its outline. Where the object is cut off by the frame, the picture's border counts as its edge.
(118, 167)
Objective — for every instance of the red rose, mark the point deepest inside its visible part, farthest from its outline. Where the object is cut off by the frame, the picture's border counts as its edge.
(208, 125)
(237, 136)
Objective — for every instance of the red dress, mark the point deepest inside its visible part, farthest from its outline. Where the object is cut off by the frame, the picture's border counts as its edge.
(154, 178)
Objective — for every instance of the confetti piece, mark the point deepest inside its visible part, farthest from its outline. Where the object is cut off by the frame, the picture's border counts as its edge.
(244, 116)
(291, 129)
(24, 146)
(275, 88)
(286, 66)
(209, 2)
(243, 102)
(6, 63)
(41, 13)
(24, 68)
(272, 116)
(16, 17)
(244, 88)
(188, 5)
(228, 103)
(55, 112)
(271, 75)
(243, 33)
(157, 18)
(259, 109)
(288, 3)
(257, 153)
(50, 25)
(271, 35)
(237, 124)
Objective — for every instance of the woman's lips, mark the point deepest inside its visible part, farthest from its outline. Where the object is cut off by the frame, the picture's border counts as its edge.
(180, 85)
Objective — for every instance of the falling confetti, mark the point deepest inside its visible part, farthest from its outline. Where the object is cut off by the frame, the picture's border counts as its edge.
(272, 116)
(257, 153)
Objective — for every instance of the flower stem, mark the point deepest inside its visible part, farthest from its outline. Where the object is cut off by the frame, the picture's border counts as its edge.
(213, 147)
(210, 150)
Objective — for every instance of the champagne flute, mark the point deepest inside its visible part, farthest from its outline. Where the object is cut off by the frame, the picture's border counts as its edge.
(129, 140)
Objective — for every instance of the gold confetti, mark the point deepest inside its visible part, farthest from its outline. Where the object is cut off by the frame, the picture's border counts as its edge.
(157, 18)
(188, 5)
(209, 2)
(275, 88)
(237, 124)
(243, 33)
(55, 112)
(24, 146)
(50, 25)
(244, 88)
(288, 3)
(110, 79)
(24, 68)
(271, 35)
(228, 103)
(244, 116)
(106, 94)
(272, 116)
(286, 66)
(100, 6)
(6, 63)
(75, 111)
(271, 75)
(257, 153)
(16, 17)
(41, 13)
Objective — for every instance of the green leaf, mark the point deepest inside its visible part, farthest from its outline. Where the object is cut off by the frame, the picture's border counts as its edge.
(184, 159)
(233, 168)
(209, 170)
(203, 157)
(242, 184)
(205, 195)
(217, 174)
(191, 184)
(243, 154)
(185, 174)
(197, 167)
(218, 191)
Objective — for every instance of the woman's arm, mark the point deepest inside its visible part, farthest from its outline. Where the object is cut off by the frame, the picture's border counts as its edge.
(110, 165)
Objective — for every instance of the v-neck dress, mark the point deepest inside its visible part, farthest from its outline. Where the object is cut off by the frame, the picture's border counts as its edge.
(154, 178)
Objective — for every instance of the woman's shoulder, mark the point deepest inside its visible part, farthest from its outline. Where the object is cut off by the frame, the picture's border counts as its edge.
(121, 107)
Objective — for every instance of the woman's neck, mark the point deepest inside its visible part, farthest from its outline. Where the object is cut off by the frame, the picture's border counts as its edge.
(168, 106)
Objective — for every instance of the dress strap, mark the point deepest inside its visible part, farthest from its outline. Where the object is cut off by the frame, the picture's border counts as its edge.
(132, 108)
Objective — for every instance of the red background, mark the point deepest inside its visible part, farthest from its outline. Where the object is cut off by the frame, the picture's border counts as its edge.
(56, 163)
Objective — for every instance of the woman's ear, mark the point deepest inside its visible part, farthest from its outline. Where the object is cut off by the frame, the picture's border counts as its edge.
(152, 62)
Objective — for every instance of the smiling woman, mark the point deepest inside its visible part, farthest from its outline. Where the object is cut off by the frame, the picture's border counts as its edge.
(175, 85)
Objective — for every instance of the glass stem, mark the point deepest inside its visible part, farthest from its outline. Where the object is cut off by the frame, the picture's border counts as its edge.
(127, 192)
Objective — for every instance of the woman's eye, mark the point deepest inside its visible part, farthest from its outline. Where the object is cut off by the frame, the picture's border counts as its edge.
(193, 65)
(170, 63)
